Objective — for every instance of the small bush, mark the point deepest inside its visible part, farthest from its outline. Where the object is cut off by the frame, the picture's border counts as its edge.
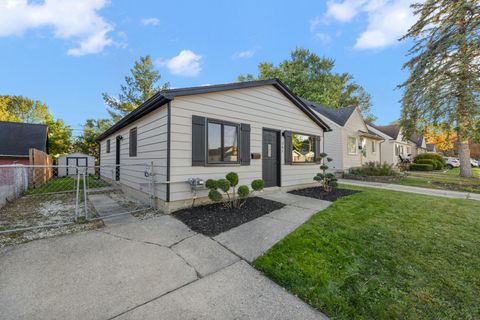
(223, 184)
(232, 177)
(427, 161)
(431, 156)
(439, 165)
(421, 167)
(374, 169)
(258, 184)
(243, 191)
(215, 196)
(211, 184)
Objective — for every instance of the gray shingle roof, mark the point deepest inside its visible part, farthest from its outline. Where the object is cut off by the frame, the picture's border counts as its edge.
(165, 96)
(17, 138)
(391, 130)
(339, 116)
(417, 139)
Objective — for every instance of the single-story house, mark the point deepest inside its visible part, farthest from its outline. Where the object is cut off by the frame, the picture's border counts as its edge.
(17, 138)
(350, 143)
(68, 163)
(257, 129)
(418, 144)
(396, 145)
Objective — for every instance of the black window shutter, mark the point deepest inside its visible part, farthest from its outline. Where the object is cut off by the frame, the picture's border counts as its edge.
(245, 144)
(288, 146)
(318, 149)
(198, 141)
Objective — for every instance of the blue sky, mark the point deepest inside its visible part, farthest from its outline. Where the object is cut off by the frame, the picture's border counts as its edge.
(66, 53)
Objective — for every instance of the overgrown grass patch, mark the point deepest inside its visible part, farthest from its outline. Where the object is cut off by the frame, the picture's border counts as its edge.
(384, 255)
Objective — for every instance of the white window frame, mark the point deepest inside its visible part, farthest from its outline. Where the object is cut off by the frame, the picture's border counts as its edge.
(374, 147)
(356, 144)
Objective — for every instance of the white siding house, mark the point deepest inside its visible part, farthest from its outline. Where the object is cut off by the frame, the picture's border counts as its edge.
(205, 132)
(350, 143)
(396, 145)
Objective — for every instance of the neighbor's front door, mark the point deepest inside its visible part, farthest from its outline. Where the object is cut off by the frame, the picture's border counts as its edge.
(271, 158)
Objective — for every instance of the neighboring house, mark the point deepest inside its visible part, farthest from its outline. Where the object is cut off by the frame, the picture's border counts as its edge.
(68, 164)
(395, 145)
(258, 129)
(418, 144)
(350, 143)
(431, 148)
(17, 138)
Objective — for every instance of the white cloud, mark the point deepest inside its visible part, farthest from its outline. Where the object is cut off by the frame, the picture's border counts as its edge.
(323, 37)
(244, 54)
(388, 20)
(150, 22)
(70, 19)
(186, 63)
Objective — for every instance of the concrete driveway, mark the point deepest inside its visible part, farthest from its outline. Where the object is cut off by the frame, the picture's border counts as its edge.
(141, 269)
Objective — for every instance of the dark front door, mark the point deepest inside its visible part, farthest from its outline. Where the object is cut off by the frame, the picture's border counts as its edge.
(117, 159)
(271, 158)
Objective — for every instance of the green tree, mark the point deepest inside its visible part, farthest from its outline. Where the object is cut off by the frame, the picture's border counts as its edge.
(311, 77)
(138, 87)
(92, 128)
(22, 109)
(443, 86)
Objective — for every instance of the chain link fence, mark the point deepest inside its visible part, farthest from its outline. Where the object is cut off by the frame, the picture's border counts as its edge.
(36, 197)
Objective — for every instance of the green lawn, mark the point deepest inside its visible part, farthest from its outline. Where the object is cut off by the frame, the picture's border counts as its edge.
(384, 255)
(448, 180)
(66, 184)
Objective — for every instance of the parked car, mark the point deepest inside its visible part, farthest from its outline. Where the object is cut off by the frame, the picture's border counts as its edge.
(474, 163)
(452, 162)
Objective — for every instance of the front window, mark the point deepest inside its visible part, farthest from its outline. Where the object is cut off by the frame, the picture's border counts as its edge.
(222, 142)
(373, 146)
(303, 148)
(352, 145)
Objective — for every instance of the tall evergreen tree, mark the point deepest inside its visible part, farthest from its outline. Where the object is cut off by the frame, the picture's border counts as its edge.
(138, 87)
(444, 85)
(311, 77)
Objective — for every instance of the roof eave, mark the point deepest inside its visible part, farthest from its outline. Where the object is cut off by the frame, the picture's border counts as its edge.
(150, 105)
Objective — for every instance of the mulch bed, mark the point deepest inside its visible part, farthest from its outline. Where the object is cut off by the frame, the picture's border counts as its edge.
(213, 219)
(319, 193)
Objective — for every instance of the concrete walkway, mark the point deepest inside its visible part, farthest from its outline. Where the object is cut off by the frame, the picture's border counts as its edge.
(418, 190)
(155, 268)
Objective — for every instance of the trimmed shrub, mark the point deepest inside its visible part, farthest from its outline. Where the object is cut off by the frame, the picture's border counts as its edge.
(431, 156)
(223, 184)
(375, 169)
(243, 191)
(421, 167)
(233, 178)
(428, 161)
(258, 184)
(211, 184)
(215, 196)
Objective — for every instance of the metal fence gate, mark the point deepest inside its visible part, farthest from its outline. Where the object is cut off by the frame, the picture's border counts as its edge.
(36, 197)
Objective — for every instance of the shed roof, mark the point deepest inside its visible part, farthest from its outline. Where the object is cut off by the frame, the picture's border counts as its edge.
(18, 137)
(162, 97)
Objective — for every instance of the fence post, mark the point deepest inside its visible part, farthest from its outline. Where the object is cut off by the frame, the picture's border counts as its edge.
(77, 200)
(85, 194)
(152, 186)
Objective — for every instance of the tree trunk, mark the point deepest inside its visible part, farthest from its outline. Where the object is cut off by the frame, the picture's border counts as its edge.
(464, 157)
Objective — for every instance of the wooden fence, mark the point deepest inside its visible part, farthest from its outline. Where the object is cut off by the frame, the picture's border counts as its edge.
(39, 176)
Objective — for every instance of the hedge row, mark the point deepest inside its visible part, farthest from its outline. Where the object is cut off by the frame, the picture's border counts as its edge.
(421, 167)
